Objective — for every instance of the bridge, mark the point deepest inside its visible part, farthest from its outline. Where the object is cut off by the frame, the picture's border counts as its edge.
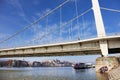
(82, 47)
(101, 44)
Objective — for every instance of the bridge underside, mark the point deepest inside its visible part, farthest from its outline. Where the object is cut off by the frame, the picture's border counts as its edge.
(111, 51)
(85, 47)
(54, 54)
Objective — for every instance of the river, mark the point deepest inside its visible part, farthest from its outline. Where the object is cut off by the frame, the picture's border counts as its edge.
(47, 73)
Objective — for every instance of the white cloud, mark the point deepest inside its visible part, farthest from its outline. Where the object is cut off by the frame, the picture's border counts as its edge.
(87, 30)
(39, 33)
(17, 4)
(43, 12)
(42, 34)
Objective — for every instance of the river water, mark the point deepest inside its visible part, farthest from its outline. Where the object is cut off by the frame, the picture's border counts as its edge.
(47, 73)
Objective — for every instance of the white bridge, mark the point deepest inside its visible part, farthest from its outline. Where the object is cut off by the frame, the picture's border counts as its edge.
(83, 47)
(102, 44)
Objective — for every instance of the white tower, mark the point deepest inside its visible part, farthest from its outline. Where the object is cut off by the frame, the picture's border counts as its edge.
(100, 27)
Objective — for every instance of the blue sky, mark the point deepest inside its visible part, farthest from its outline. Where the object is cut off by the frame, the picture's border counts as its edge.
(16, 14)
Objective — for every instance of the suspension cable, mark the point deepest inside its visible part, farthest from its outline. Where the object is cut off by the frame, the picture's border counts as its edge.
(113, 10)
(46, 24)
(76, 8)
(60, 23)
(73, 19)
(83, 23)
(71, 30)
(36, 21)
(46, 27)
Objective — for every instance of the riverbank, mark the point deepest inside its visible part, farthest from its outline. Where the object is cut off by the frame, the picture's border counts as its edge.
(114, 74)
(45, 63)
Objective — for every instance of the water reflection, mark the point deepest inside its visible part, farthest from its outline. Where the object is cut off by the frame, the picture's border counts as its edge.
(58, 73)
(85, 74)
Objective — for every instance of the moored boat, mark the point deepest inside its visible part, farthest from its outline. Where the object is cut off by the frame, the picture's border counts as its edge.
(79, 66)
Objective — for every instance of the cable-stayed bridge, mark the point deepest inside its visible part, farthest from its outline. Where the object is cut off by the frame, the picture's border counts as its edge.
(75, 36)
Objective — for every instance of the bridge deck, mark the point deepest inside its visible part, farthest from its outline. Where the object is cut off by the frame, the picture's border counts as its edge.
(114, 74)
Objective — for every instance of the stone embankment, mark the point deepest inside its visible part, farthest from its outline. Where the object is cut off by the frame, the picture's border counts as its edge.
(105, 64)
(108, 68)
(114, 74)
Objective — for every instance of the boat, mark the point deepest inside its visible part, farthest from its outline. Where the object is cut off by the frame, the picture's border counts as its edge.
(80, 66)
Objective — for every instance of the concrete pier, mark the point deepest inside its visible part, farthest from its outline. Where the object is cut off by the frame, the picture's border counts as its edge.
(110, 62)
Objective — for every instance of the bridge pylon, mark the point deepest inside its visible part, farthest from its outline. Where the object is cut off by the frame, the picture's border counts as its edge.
(100, 27)
(104, 61)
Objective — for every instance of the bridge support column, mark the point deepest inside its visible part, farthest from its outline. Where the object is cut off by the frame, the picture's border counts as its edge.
(104, 48)
(100, 27)
(104, 61)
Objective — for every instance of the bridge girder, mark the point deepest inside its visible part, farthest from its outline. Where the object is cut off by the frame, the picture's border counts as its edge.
(83, 47)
